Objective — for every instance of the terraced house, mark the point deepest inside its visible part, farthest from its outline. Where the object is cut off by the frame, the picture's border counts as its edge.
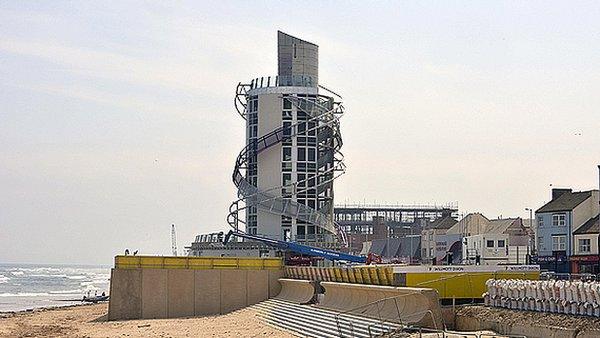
(558, 221)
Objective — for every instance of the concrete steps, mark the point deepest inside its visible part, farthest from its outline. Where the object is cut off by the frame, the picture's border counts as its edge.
(310, 321)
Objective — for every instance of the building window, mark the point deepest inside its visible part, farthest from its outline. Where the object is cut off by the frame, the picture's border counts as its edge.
(301, 154)
(490, 244)
(559, 243)
(287, 104)
(287, 153)
(585, 245)
(311, 154)
(501, 243)
(540, 243)
(540, 221)
(559, 220)
(287, 179)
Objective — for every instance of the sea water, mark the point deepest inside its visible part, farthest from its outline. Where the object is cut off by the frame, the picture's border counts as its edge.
(30, 286)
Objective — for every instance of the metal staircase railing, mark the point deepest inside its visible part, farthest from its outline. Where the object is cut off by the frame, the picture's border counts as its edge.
(324, 114)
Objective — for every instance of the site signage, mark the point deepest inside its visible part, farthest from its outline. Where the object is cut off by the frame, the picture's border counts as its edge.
(465, 268)
(589, 258)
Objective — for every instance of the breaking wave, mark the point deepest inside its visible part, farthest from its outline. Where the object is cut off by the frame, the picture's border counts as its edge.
(24, 294)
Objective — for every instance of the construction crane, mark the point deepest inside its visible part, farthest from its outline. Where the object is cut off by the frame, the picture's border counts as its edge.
(305, 249)
(173, 240)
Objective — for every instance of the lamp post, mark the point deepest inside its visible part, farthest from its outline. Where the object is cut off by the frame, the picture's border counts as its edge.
(532, 245)
(387, 247)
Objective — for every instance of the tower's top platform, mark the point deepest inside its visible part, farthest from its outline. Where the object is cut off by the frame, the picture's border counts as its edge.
(297, 57)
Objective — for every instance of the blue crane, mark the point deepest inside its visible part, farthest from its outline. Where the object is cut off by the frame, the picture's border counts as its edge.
(300, 249)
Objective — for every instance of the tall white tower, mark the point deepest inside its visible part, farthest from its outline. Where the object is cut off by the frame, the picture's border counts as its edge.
(285, 173)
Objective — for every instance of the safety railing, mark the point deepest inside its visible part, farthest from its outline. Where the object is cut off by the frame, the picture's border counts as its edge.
(283, 81)
(197, 263)
(449, 333)
(324, 116)
(373, 310)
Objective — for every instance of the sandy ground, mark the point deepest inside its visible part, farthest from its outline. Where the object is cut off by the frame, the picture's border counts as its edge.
(508, 316)
(90, 321)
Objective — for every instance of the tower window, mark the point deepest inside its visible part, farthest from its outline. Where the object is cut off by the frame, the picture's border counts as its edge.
(311, 154)
(287, 104)
(301, 154)
(287, 153)
(287, 179)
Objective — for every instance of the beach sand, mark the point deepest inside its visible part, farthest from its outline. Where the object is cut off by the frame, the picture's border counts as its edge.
(90, 321)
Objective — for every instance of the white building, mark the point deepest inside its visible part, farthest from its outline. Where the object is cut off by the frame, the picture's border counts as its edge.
(436, 243)
(285, 173)
(492, 249)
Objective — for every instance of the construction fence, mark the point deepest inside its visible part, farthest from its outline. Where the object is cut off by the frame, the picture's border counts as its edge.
(372, 275)
(197, 263)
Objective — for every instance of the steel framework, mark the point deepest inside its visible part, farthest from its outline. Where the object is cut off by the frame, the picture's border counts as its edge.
(324, 114)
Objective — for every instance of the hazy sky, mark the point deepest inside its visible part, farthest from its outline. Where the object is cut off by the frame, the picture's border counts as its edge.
(117, 119)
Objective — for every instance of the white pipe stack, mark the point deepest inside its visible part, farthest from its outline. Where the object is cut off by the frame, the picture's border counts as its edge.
(569, 297)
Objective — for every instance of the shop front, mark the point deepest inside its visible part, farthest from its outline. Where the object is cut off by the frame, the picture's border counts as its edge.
(558, 262)
(585, 264)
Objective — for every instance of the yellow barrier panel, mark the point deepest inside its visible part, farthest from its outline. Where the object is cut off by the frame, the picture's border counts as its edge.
(200, 263)
(197, 263)
(358, 276)
(462, 285)
(389, 272)
(365, 275)
(173, 263)
(351, 276)
(383, 280)
(338, 274)
(374, 277)
(345, 277)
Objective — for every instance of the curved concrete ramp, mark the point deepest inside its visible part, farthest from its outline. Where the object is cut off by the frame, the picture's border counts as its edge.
(395, 304)
(296, 290)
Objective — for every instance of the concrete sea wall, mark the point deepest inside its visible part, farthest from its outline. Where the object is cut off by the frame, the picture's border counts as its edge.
(139, 292)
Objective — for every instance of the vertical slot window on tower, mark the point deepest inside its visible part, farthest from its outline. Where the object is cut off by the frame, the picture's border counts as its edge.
(287, 129)
(287, 154)
(301, 154)
(312, 154)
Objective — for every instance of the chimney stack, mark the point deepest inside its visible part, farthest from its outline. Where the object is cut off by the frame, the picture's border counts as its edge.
(557, 192)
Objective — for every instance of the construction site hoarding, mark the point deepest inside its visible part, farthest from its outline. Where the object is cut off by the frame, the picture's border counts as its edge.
(451, 281)
(197, 263)
(461, 281)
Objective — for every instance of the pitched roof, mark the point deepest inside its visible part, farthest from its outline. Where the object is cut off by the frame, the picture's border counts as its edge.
(499, 226)
(565, 202)
(443, 223)
(592, 226)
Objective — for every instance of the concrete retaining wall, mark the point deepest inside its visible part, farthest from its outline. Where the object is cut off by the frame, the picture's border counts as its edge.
(400, 304)
(170, 293)
(296, 290)
(530, 330)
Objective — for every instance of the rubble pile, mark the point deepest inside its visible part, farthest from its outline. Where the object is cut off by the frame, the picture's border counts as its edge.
(556, 296)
